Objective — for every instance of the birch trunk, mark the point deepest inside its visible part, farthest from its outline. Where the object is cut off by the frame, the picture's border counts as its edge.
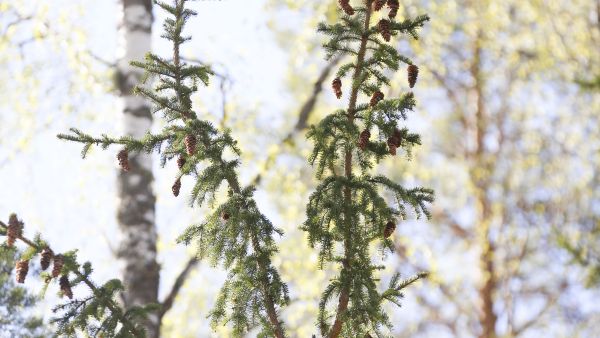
(136, 211)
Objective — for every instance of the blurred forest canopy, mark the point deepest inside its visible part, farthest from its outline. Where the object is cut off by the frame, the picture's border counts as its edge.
(509, 118)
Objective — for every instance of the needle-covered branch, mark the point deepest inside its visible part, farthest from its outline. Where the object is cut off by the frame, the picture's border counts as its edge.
(236, 234)
(349, 214)
(98, 313)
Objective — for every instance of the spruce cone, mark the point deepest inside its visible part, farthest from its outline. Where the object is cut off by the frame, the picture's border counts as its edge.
(337, 87)
(389, 229)
(397, 137)
(46, 258)
(393, 6)
(393, 143)
(225, 216)
(13, 231)
(176, 187)
(59, 261)
(363, 139)
(377, 96)
(180, 162)
(345, 5)
(413, 73)
(123, 158)
(384, 29)
(378, 4)
(190, 144)
(65, 286)
(21, 270)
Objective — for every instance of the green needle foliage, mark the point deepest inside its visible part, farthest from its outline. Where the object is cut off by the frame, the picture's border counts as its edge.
(97, 314)
(349, 215)
(236, 234)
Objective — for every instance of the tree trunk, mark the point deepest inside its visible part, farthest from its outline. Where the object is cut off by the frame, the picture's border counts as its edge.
(136, 214)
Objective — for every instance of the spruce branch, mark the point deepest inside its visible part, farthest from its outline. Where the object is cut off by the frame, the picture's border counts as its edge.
(347, 212)
(236, 234)
(95, 314)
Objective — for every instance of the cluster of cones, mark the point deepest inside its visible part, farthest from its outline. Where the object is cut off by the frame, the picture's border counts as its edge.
(412, 72)
(47, 257)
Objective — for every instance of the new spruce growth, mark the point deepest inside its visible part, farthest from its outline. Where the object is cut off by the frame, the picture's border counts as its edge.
(348, 214)
(98, 313)
(236, 234)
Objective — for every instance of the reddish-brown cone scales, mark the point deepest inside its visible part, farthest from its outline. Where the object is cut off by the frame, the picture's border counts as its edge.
(176, 187)
(190, 144)
(392, 144)
(393, 6)
(180, 162)
(345, 4)
(46, 258)
(225, 216)
(389, 229)
(13, 231)
(378, 4)
(384, 28)
(363, 139)
(59, 261)
(337, 87)
(377, 96)
(123, 158)
(21, 270)
(65, 286)
(413, 73)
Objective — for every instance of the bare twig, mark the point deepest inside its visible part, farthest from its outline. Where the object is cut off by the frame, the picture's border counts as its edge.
(167, 303)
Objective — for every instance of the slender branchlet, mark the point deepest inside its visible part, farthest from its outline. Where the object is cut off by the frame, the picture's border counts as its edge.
(348, 214)
(236, 234)
(97, 314)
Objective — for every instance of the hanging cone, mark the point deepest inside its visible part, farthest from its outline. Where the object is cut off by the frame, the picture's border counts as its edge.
(377, 96)
(13, 231)
(21, 269)
(225, 216)
(384, 28)
(413, 73)
(65, 286)
(392, 145)
(190, 144)
(378, 4)
(345, 5)
(363, 139)
(397, 137)
(337, 87)
(59, 261)
(176, 187)
(389, 229)
(123, 158)
(393, 5)
(46, 257)
(180, 162)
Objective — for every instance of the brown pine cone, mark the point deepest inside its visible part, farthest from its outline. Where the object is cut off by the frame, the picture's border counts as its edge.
(378, 4)
(393, 144)
(363, 139)
(13, 231)
(397, 137)
(393, 6)
(21, 269)
(59, 261)
(180, 162)
(413, 73)
(389, 229)
(337, 87)
(176, 187)
(123, 158)
(384, 29)
(225, 216)
(65, 286)
(190, 144)
(377, 96)
(345, 5)
(46, 258)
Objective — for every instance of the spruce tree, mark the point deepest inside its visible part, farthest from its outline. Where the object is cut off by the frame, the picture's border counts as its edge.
(236, 234)
(349, 214)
